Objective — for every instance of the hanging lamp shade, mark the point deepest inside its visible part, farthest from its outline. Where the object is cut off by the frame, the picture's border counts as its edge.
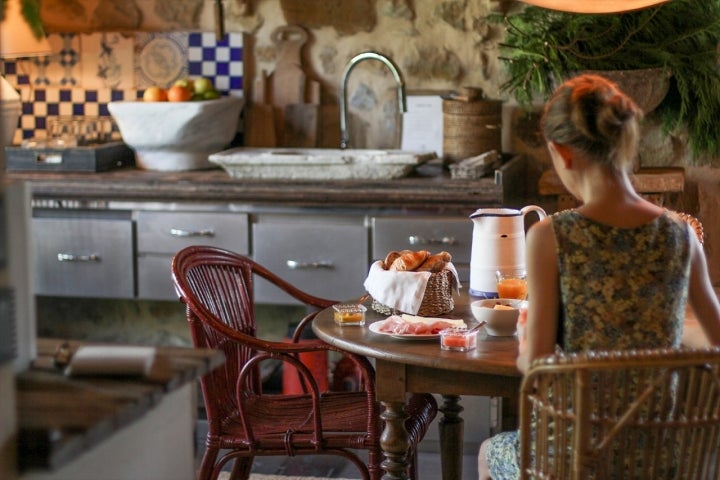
(17, 40)
(594, 6)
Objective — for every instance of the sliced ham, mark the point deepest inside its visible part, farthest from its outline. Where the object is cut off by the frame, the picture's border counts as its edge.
(406, 326)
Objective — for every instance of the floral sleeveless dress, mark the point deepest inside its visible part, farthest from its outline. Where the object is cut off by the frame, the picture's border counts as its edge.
(620, 288)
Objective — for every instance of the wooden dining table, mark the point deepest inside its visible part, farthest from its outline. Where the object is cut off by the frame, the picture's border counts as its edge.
(404, 366)
(421, 366)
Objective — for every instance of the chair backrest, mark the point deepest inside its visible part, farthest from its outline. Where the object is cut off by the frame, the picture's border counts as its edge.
(694, 223)
(217, 288)
(647, 414)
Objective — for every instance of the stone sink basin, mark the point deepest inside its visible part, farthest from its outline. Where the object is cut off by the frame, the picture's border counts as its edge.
(319, 163)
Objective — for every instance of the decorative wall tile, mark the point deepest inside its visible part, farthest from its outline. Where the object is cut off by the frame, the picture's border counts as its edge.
(63, 67)
(71, 81)
(108, 61)
(221, 61)
(160, 58)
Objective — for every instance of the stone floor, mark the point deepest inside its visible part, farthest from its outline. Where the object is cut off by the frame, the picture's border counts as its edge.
(336, 467)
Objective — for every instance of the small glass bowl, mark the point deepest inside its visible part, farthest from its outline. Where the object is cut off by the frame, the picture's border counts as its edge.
(347, 314)
(458, 339)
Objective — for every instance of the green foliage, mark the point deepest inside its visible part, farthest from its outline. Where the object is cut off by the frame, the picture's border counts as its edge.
(681, 35)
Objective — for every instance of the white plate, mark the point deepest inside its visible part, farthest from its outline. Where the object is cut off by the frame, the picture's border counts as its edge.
(375, 328)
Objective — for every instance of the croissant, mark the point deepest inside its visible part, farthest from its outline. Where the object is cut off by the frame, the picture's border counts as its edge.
(409, 260)
(435, 263)
(390, 258)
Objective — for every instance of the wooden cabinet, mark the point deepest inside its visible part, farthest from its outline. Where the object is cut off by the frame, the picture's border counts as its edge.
(127, 253)
(325, 255)
(83, 253)
(160, 234)
(108, 253)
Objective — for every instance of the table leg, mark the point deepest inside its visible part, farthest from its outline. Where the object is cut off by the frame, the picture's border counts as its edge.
(452, 428)
(394, 441)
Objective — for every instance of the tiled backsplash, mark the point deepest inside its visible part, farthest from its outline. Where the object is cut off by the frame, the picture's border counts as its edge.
(85, 72)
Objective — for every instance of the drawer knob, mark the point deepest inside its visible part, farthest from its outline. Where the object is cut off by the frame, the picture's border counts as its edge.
(418, 240)
(69, 257)
(178, 232)
(296, 265)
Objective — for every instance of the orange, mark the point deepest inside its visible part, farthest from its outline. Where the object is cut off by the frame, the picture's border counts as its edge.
(178, 93)
(155, 94)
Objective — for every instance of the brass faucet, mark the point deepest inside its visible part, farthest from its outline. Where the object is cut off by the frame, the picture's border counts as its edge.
(370, 55)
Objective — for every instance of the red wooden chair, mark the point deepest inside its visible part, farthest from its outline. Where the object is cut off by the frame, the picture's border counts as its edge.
(217, 288)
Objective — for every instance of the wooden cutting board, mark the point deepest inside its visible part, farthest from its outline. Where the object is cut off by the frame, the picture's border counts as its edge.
(287, 83)
(260, 123)
(301, 125)
(302, 120)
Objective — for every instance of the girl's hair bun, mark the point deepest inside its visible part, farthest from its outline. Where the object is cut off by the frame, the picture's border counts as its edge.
(592, 114)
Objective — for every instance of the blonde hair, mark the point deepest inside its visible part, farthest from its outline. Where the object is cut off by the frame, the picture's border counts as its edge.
(591, 114)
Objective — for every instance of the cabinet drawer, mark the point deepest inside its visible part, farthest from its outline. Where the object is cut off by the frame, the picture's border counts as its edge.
(322, 255)
(451, 234)
(168, 232)
(83, 257)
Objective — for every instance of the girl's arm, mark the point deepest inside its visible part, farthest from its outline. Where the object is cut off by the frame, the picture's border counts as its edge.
(543, 295)
(703, 300)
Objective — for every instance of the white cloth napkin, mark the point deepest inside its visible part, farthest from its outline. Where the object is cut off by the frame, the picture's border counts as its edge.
(111, 360)
(402, 291)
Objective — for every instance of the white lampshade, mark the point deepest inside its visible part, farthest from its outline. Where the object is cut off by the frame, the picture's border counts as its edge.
(595, 6)
(17, 40)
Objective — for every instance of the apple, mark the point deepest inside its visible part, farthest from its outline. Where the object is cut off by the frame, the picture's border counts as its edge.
(202, 85)
(154, 94)
(211, 95)
(185, 83)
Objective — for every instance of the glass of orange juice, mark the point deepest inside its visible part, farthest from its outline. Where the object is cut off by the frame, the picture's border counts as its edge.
(512, 283)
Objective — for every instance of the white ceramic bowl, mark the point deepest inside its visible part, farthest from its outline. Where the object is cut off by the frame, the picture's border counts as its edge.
(174, 136)
(500, 322)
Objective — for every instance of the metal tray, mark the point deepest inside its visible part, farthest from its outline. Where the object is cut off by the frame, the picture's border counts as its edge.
(94, 158)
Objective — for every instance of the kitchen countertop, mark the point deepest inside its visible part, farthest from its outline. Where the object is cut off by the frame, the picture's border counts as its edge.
(61, 417)
(430, 187)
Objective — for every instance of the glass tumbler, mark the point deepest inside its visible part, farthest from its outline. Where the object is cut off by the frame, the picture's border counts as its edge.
(512, 283)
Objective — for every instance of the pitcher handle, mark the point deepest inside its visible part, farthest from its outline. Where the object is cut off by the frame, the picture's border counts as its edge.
(533, 208)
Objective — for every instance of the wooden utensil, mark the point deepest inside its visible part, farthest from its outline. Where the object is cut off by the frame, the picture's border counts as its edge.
(329, 129)
(261, 125)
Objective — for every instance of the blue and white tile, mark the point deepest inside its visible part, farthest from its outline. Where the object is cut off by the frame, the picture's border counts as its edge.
(222, 61)
(62, 68)
(107, 61)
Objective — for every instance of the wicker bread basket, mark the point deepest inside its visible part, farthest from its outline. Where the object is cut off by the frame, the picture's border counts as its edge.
(438, 298)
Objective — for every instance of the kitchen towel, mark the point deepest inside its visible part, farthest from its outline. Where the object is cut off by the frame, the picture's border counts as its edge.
(112, 361)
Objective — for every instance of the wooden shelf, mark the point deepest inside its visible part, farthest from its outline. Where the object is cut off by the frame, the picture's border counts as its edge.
(652, 183)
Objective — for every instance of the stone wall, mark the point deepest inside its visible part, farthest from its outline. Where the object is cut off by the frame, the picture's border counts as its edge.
(438, 45)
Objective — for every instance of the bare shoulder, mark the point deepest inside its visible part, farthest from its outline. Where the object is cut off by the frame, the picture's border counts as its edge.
(541, 230)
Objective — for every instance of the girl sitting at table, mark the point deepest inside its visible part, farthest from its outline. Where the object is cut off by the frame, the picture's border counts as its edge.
(644, 263)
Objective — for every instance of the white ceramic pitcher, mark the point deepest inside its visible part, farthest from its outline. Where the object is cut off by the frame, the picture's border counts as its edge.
(498, 243)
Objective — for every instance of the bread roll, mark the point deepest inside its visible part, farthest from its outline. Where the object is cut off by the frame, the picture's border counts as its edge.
(409, 260)
(435, 263)
(390, 258)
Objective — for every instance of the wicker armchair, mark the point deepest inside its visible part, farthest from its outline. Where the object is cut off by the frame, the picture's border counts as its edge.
(217, 288)
(652, 414)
